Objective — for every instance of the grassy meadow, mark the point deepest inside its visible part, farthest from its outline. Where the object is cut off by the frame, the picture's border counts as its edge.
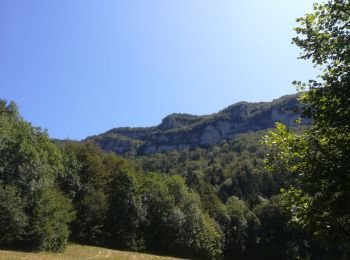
(78, 252)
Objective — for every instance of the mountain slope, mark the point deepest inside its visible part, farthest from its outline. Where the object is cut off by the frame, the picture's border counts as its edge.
(181, 131)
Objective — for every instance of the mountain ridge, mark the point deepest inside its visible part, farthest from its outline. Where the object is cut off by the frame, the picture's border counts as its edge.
(179, 131)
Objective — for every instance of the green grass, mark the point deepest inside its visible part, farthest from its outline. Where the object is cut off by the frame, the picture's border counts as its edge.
(78, 252)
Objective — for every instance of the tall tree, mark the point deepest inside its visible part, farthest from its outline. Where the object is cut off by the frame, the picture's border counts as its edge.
(32, 210)
(13, 220)
(319, 159)
(125, 213)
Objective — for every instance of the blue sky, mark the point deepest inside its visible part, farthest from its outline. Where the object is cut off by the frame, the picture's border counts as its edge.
(81, 67)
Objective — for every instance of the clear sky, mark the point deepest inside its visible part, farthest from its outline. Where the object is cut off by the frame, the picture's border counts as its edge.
(81, 67)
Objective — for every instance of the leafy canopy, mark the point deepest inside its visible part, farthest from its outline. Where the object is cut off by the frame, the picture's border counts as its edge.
(319, 159)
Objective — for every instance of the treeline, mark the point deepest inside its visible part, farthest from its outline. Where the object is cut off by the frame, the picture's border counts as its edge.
(231, 168)
(54, 192)
(119, 207)
(243, 197)
(203, 204)
(33, 210)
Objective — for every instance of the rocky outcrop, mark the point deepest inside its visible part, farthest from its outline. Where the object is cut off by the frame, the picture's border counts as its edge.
(181, 131)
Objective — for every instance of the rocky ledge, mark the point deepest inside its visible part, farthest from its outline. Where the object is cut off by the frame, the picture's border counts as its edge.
(181, 131)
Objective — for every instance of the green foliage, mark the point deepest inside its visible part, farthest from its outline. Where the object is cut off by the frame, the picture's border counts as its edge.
(278, 238)
(88, 226)
(29, 166)
(13, 220)
(69, 179)
(175, 222)
(205, 203)
(242, 228)
(125, 214)
(319, 159)
(208, 241)
(50, 214)
(120, 207)
(234, 167)
(88, 181)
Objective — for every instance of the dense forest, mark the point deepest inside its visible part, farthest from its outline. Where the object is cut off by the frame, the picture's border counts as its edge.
(282, 193)
(201, 203)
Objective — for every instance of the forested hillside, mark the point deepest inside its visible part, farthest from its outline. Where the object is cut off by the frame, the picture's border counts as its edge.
(209, 202)
(51, 193)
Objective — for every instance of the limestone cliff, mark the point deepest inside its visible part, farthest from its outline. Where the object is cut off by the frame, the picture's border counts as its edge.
(180, 131)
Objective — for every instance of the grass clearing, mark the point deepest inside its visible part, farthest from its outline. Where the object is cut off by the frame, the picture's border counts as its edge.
(78, 252)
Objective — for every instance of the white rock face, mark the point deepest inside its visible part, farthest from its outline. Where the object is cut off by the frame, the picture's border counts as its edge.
(225, 128)
(165, 148)
(163, 138)
(211, 135)
(181, 131)
(285, 118)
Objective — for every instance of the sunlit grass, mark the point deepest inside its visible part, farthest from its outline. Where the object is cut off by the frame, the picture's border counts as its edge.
(78, 252)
